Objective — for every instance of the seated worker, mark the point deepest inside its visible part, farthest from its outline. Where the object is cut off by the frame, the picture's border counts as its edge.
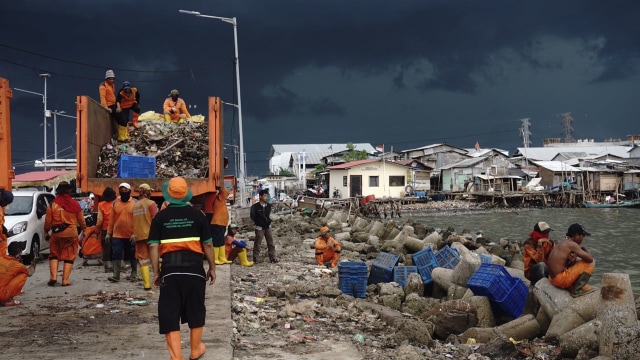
(535, 252)
(236, 248)
(175, 109)
(13, 274)
(128, 99)
(327, 248)
(565, 271)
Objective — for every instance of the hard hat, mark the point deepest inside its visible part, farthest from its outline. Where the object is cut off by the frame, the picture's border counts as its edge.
(324, 230)
(126, 84)
(109, 74)
(174, 92)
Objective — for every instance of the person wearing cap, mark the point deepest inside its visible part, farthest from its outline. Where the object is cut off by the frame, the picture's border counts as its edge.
(6, 198)
(179, 237)
(102, 224)
(120, 231)
(260, 213)
(570, 265)
(13, 274)
(235, 247)
(536, 251)
(175, 109)
(144, 210)
(63, 218)
(128, 99)
(219, 222)
(107, 91)
(327, 248)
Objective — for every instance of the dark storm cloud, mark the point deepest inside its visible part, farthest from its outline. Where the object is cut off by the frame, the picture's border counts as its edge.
(419, 56)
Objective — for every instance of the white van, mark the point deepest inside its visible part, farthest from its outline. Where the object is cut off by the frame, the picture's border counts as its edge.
(24, 220)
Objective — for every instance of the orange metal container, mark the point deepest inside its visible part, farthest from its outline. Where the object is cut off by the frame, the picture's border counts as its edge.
(6, 172)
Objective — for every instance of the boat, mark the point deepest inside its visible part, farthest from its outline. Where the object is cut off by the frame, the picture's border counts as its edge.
(635, 203)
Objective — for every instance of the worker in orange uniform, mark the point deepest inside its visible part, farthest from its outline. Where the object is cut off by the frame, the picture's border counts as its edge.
(219, 222)
(120, 230)
(6, 198)
(175, 109)
(128, 99)
(144, 210)
(107, 90)
(536, 251)
(327, 248)
(13, 274)
(235, 247)
(102, 223)
(63, 218)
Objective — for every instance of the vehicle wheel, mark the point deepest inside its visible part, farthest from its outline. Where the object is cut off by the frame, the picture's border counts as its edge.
(34, 254)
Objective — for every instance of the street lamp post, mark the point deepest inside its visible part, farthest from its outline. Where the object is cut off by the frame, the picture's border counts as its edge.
(234, 22)
(44, 100)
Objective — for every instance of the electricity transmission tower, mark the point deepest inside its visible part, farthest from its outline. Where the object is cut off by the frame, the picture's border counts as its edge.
(525, 133)
(567, 129)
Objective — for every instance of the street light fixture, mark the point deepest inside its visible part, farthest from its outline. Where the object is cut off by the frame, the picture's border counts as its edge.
(46, 115)
(234, 22)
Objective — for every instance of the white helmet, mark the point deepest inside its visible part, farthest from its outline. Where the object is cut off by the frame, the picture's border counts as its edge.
(109, 74)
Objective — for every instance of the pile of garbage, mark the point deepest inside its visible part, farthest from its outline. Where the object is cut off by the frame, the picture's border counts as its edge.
(178, 149)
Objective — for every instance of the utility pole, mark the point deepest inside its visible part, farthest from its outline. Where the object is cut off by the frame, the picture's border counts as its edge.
(567, 129)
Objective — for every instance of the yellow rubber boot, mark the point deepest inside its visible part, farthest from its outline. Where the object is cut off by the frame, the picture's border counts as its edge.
(146, 276)
(216, 255)
(223, 255)
(167, 118)
(66, 273)
(195, 341)
(123, 133)
(174, 346)
(53, 272)
(242, 256)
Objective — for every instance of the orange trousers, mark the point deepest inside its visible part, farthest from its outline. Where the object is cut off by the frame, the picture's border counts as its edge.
(142, 250)
(568, 277)
(63, 248)
(12, 288)
(328, 255)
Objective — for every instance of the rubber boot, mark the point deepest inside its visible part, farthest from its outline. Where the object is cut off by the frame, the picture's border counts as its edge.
(222, 255)
(108, 266)
(580, 287)
(320, 259)
(216, 255)
(53, 272)
(195, 341)
(116, 271)
(173, 344)
(242, 256)
(233, 254)
(134, 271)
(146, 276)
(167, 118)
(123, 133)
(66, 273)
(134, 120)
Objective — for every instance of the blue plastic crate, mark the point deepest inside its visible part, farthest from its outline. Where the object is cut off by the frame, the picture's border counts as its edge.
(425, 261)
(401, 273)
(485, 259)
(137, 167)
(355, 286)
(492, 281)
(448, 257)
(512, 303)
(352, 268)
(382, 268)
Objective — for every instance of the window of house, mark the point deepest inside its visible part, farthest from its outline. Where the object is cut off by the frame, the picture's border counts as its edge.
(396, 180)
(374, 181)
(344, 181)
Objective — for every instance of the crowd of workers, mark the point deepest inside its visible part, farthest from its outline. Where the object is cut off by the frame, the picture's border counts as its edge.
(120, 104)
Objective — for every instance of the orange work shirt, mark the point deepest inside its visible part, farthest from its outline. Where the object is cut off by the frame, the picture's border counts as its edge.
(121, 219)
(180, 105)
(56, 215)
(107, 94)
(144, 211)
(220, 211)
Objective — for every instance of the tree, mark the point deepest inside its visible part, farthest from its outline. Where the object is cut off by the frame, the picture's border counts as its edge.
(285, 172)
(352, 154)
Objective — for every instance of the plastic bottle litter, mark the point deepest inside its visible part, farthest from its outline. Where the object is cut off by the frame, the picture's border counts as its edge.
(115, 311)
(358, 337)
(254, 299)
(99, 306)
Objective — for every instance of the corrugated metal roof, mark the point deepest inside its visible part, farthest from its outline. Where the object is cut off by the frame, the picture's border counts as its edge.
(556, 166)
(351, 164)
(548, 153)
(327, 149)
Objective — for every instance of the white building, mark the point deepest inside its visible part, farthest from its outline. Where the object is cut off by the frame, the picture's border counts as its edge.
(368, 177)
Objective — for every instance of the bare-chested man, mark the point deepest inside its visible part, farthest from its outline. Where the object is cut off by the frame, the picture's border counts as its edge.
(565, 270)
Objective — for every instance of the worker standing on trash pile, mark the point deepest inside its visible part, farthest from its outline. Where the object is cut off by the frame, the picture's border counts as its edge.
(327, 248)
(144, 210)
(175, 109)
(235, 247)
(63, 218)
(107, 90)
(13, 274)
(129, 99)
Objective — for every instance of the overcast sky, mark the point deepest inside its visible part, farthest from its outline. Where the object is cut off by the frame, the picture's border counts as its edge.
(404, 73)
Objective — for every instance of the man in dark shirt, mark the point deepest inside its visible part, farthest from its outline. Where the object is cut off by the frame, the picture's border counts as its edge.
(180, 236)
(261, 216)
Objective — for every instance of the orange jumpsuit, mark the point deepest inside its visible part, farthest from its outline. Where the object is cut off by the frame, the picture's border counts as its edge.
(327, 249)
(63, 245)
(180, 105)
(13, 276)
(568, 277)
(144, 211)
